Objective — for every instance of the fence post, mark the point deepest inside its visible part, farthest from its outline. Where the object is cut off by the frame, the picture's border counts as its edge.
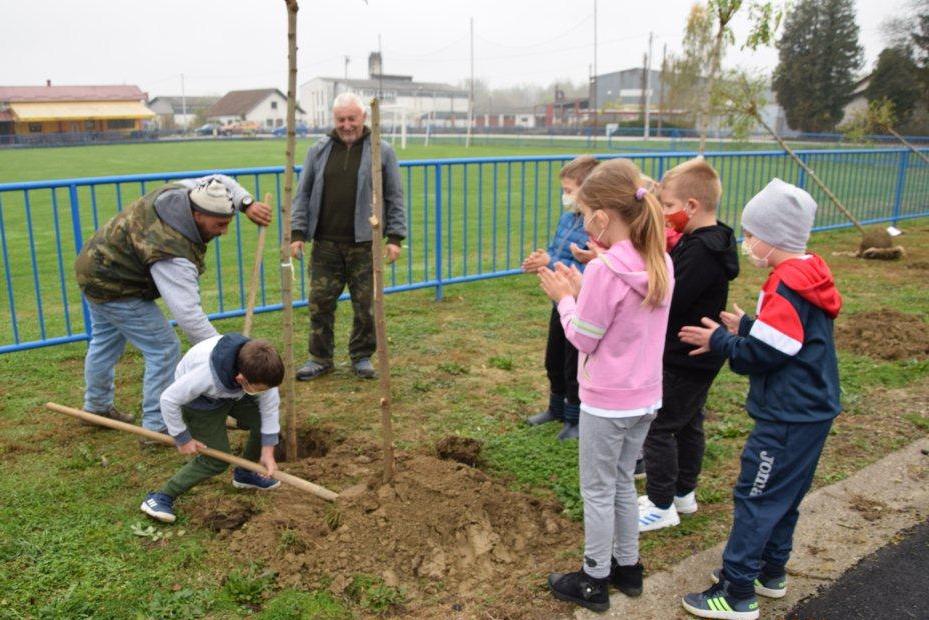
(438, 232)
(78, 244)
(901, 184)
(801, 173)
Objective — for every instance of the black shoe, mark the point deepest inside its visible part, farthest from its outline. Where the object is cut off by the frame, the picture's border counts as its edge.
(639, 472)
(626, 579)
(581, 589)
(542, 418)
(112, 413)
(569, 431)
(364, 369)
(311, 370)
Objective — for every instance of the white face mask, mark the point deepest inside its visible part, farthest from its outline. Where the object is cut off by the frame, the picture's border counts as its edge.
(748, 250)
(567, 201)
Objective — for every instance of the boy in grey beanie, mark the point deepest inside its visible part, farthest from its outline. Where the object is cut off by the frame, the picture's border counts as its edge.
(788, 352)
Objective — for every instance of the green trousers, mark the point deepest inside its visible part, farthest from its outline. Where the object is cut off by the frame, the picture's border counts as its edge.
(209, 427)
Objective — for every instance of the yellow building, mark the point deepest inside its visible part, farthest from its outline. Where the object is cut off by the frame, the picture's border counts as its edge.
(42, 110)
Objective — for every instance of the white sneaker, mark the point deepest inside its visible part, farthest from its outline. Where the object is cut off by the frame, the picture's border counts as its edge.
(653, 518)
(687, 504)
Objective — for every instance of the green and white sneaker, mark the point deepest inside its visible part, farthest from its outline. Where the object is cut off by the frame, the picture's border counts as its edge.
(771, 587)
(716, 602)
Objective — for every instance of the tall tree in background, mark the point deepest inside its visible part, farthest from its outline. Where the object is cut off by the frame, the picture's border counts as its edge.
(896, 79)
(685, 79)
(819, 54)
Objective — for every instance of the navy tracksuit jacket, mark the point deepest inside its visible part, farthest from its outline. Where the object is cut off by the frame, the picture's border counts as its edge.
(789, 354)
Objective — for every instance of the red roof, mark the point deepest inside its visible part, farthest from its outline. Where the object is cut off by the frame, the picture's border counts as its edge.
(25, 94)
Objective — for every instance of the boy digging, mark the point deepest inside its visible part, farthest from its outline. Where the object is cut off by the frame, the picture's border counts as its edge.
(788, 352)
(221, 376)
(705, 260)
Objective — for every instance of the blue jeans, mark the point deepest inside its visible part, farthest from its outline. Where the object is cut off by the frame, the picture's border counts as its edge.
(141, 323)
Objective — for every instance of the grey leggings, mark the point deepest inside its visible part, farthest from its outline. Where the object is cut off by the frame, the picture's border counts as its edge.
(608, 450)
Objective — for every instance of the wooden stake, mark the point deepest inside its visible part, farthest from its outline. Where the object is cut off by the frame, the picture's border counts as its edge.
(809, 171)
(256, 274)
(288, 392)
(380, 324)
(294, 481)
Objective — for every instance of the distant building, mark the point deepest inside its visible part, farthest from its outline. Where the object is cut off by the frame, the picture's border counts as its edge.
(179, 112)
(265, 106)
(421, 103)
(521, 117)
(858, 104)
(45, 111)
(619, 96)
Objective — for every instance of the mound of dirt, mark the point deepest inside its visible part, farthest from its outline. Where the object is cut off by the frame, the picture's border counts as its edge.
(461, 449)
(455, 540)
(884, 334)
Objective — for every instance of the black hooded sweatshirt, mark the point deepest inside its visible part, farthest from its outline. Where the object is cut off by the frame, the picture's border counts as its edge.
(705, 261)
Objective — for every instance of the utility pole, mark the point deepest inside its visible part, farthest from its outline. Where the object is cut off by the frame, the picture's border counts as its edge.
(596, 85)
(664, 79)
(347, 60)
(380, 75)
(471, 92)
(184, 104)
(648, 83)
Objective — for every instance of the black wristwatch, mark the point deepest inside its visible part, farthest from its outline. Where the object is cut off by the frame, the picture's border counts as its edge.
(247, 202)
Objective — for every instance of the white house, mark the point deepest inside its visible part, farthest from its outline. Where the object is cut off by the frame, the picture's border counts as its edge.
(178, 112)
(420, 103)
(265, 106)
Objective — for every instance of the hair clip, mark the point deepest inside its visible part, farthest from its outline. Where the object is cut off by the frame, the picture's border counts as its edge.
(640, 193)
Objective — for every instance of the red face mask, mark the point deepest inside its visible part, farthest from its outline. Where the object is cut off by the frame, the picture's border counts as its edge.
(677, 220)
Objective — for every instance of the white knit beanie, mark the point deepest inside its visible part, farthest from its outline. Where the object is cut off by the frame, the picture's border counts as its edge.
(212, 198)
(780, 215)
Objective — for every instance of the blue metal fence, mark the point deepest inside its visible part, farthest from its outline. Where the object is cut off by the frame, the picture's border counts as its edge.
(468, 219)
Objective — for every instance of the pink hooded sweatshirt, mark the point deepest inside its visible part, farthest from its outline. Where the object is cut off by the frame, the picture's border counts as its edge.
(620, 339)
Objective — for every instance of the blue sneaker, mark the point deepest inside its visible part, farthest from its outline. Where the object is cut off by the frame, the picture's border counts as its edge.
(716, 602)
(246, 479)
(159, 506)
(771, 587)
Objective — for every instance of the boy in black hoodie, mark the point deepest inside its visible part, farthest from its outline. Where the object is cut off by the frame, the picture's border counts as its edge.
(705, 260)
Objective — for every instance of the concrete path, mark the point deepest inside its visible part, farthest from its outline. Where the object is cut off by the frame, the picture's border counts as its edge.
(839, 525)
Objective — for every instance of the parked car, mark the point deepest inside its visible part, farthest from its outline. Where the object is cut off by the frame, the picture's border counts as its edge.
(241, 128)
(207, 130)
(301, 130)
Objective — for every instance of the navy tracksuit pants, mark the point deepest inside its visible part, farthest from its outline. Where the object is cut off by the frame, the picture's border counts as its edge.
(778, 464)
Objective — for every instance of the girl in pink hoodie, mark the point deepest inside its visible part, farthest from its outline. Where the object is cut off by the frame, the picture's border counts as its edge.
(616, 315)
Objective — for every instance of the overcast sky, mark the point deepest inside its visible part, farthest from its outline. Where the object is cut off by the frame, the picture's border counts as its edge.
(220, 45)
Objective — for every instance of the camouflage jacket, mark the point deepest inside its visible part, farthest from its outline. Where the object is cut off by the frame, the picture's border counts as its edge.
(114, 263)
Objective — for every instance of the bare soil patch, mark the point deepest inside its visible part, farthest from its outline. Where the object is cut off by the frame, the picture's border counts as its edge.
(884, 334)
(453, 539)
(460, 449)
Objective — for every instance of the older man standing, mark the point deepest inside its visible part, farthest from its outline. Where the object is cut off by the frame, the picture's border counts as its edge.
(154, 248)
(331, 207)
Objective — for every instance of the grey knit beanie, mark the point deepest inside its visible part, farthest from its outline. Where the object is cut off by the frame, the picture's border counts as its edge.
(780, 215)
(212, 198)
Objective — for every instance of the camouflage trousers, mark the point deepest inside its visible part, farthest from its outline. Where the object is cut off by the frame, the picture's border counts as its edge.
(333, 265)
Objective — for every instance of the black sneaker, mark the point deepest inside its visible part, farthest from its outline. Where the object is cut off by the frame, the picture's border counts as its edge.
(112, 413)
(626, 579)
(716, 602)
(639, 472)
(581, 589)
(771, 587)
(311, 370)
(542, 418)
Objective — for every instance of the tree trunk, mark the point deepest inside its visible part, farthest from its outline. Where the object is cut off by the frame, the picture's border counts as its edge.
(287, 268)
(380, 323)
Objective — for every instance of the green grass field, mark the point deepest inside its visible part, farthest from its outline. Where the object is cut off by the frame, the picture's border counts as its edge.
(74, 545)
(492, 214)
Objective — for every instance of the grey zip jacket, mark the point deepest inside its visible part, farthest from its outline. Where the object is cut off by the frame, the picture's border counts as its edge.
(309, 196)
